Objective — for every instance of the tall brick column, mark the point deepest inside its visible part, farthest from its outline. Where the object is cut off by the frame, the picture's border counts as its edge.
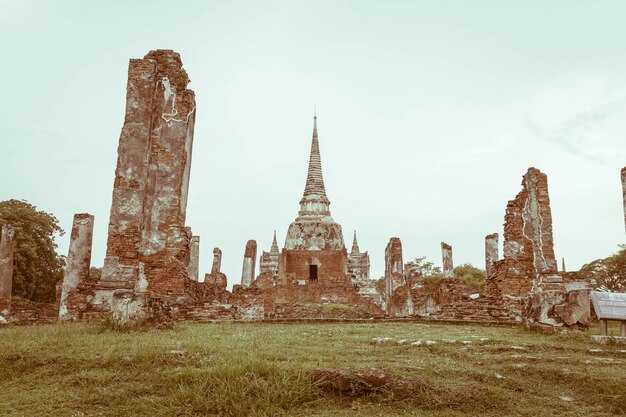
(147, 241)
(446, 255)
(78, 262)
(249, 264)
(194, 258)
(217, 261)
(394, 267)
(491, 252)
(6, 265)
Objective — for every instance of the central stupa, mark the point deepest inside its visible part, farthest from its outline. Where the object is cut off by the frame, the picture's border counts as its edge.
(314, 229)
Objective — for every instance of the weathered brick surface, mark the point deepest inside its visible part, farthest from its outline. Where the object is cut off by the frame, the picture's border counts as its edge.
(394, 274)
(217, 261)
(248, 271)
(194, 258)
(147, 238)
(446, 259)
(491, 253)
(77, 264)
(7, 235)
(528, 247)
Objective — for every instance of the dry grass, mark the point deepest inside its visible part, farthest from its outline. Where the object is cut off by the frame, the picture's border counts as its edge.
(264, 370)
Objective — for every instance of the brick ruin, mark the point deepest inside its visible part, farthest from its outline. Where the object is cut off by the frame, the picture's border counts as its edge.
(446, 260)
(151, 266)
(249, 264)
(194, 258)
(151, 260)
(313, 269)
(77, 264)
(524, 286)
(6, 266)
(491, 253)
(269, 260)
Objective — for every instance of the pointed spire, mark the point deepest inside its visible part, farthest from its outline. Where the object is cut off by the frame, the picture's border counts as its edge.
(274, 244)
(355, 246)
(314, 179)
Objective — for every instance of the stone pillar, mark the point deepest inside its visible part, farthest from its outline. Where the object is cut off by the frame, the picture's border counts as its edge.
(249, 261)
(78, 262)
(491, 252)
(194, 258)
(147, 241)
(446, 254)
(394, 276)
(217, 261)
(6, 265)
(563, 265)
(624, 192)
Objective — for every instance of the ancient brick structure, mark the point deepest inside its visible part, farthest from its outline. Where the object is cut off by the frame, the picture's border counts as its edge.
(248, 271)
(269, 260)
(358, 264)
(528, 247)
(312, 267)
(527, 279)
(148, 244)
(623, 174)
(446, 256)
(217, 261)
(194, 258)
(6, 265)
(393, 265)
(491, 252)
(77, 264)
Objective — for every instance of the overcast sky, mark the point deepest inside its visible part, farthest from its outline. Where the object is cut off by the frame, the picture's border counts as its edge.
(429, 113)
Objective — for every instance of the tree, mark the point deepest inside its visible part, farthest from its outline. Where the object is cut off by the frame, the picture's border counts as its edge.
(472, 276)
(427, 270)
(608, 274)
(37, 265)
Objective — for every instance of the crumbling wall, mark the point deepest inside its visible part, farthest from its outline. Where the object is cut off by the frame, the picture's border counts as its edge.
(527, 279)
(6, 265)
(77, 264)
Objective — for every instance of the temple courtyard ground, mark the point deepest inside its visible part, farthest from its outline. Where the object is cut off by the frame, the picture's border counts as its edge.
(268, 370)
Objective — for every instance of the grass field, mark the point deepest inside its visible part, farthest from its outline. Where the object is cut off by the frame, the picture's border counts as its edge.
(265, 370)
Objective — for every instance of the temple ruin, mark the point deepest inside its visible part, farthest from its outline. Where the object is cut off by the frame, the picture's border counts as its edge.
(524, 286)
(151, 269)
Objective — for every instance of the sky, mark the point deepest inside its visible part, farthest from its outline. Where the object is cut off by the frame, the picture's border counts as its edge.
(429, 113)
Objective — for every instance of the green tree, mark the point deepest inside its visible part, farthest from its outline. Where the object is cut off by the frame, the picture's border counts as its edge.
(431, 274)
(608, 274)
(472, 276)
(37, 265)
